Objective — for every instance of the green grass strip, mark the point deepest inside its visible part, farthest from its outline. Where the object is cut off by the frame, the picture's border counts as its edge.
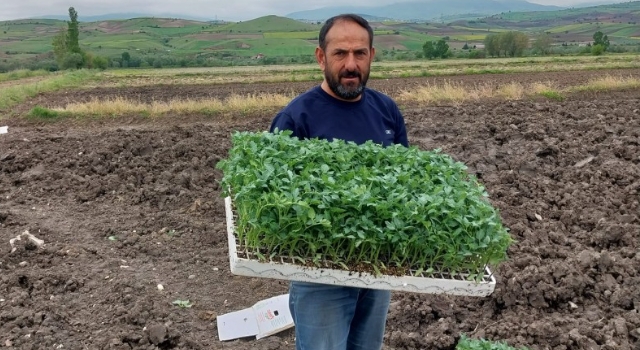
(39, 112)
(22, 74)
(16, 94)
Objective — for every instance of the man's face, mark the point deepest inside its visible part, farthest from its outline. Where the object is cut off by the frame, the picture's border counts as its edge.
(346, 61)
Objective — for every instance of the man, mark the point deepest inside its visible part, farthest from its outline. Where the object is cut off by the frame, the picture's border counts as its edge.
(331, 317)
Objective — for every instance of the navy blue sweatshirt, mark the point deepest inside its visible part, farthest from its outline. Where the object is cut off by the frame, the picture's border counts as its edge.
(316, 114)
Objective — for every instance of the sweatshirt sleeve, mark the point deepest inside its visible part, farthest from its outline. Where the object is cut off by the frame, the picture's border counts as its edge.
(282, 122)
(401, 129)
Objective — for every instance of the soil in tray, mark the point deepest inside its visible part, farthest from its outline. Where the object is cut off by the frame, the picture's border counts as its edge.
(246, 253)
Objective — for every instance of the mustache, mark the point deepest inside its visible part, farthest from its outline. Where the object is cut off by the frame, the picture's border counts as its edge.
(351, 74)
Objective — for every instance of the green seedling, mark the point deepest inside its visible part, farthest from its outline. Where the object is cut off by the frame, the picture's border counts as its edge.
(183, 303)
(355, 205)
(466, 343)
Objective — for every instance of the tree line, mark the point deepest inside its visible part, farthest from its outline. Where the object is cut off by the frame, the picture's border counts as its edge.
(507, 44)
(512, 44)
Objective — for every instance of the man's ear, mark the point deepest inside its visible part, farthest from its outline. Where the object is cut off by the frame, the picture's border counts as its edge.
(373, 53)
(321, 57)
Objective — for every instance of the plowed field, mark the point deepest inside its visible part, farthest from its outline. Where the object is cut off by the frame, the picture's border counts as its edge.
(123, 205)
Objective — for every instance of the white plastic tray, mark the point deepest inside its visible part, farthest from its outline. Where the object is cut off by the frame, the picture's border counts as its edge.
(433, 283)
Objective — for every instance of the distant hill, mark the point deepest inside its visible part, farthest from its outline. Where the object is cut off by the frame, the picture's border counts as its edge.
(596, 3)
(268, 24)
(126, 15)
(603, 16)
(426, 10)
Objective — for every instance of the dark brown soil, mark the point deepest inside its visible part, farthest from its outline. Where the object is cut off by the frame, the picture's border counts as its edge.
(123, 206)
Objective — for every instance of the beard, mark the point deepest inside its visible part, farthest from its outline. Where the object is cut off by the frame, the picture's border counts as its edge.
(346, 91)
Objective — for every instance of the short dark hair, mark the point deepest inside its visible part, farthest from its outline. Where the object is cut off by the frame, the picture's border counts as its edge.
(322, 38)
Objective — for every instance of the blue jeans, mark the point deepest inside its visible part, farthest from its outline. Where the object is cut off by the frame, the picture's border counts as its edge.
(330, 317)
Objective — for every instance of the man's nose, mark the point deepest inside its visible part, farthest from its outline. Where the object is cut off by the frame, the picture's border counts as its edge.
(351, 64)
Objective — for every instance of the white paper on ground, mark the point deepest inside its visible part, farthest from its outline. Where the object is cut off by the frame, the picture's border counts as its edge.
(237, 324)
(264, 318)
(4, 129)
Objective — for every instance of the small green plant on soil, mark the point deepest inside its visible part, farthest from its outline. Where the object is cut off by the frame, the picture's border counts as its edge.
(44, 113)
(552, 95)
(466, 343)
(360, 207)
(183, 303)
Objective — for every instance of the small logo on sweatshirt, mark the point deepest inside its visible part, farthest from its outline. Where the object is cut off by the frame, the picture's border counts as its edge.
(388, 132)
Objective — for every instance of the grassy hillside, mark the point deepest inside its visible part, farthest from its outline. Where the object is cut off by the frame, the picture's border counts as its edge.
(269, 24)
(619, 21)
(270, 35)
(626, 11)
(275, 36)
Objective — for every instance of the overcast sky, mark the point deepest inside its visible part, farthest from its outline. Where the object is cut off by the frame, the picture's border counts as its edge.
(233, 10)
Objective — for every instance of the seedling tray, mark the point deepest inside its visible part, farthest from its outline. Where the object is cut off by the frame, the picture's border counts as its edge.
(244, 263)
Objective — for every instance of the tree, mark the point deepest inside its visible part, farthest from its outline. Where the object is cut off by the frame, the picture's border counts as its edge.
(542, 43)
(510, 43)
(100, 62)
(439, 49)
(466, 46)
(520, 43)
(429, 50)
(600, 39)
(492, 45)
(60, 46)
(73, 33)
(126, 56)
(73, 61)
(442, 49)
(65, 44)
(597, 50)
